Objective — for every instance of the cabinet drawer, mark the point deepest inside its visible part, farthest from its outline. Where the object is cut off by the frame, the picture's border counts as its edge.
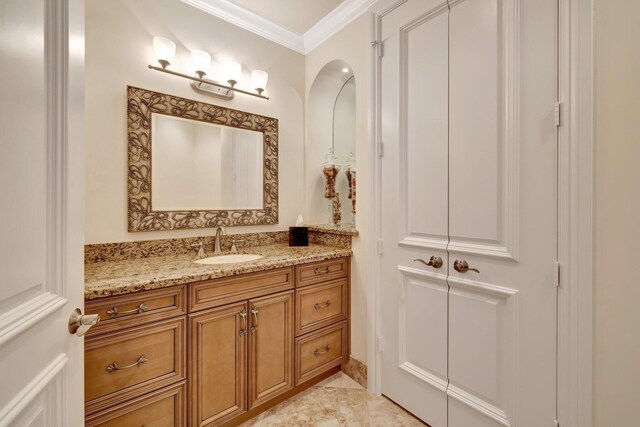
(129, 363)
(214, 293)
(319, 351)
(321, 305)
(163, 408)
(123, 311)
(308, 274)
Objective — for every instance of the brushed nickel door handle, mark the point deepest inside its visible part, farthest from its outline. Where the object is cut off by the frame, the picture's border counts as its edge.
(113, 367)
(254, 311)
(114, 312)
(80, 323)
(434, 261)
(462, 266)
(243, 316)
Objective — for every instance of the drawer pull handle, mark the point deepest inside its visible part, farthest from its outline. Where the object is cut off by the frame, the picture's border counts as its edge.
(243, 315)
(114, 312)
(254, 311)
(318, 351)
(320, 305)
(114, 366)
(319, 271)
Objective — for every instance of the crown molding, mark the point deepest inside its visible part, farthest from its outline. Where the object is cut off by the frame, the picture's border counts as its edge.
(333, 22)
(250, 21)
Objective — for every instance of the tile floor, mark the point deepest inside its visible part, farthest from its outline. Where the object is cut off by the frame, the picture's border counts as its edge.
(337, 401)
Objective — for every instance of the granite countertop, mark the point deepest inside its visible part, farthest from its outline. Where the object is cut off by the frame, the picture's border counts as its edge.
(343, 230)
(107, 278)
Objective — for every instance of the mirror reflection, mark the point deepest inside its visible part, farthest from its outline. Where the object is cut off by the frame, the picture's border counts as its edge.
(330, 150)
(204, 166)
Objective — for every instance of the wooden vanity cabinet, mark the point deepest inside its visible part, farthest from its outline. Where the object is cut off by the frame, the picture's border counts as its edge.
(243, 343)
(218, 364)
(270, 347)
(241, 355)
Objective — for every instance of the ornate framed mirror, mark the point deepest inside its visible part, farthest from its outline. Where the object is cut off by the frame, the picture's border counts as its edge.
(197, 165)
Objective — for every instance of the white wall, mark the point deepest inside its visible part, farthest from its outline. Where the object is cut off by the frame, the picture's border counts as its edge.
(617, 219)
(118, 49)
(352, 45)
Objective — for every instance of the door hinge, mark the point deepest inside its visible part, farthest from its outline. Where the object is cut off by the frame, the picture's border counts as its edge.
(380, 345)
(557, 113)
(380, 247)
(556, 423)
(377, 44)
(556, 273)
(380, 149)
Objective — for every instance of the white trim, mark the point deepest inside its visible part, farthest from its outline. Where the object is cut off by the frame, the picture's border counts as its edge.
(27, 314)
(575, 218)
(32, 390)
(333, 22)
(575, 319)
(250, 21)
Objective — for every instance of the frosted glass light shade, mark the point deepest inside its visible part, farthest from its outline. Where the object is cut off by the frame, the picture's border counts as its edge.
(233, 70)
(200, 61)
(259, 79)
(164, 50)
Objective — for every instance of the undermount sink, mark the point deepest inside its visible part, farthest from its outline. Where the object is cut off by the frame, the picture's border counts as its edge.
(228, 259)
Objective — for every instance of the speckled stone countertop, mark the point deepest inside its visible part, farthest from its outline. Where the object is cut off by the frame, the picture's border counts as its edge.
(107, 278)
(343, 230)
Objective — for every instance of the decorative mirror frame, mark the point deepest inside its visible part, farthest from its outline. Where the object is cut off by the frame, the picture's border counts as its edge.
(141, 103)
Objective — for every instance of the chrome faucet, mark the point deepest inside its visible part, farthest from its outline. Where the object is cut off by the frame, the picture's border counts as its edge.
(216, 246)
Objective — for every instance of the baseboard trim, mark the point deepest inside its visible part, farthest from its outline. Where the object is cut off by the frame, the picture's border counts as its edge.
(356, 369)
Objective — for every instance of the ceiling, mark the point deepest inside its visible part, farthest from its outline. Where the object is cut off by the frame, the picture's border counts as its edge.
(297, 16)
(301, 25)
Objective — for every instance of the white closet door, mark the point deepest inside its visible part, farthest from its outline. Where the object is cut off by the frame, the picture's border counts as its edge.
(414, 199)
(502, 213)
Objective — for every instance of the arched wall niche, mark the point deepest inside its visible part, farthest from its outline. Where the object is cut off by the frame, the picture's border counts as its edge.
(331, 126)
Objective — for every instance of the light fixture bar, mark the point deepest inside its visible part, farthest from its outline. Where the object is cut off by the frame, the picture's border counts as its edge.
(206, 81)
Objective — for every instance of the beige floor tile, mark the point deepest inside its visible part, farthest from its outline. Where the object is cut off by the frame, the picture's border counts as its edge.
(336, 402)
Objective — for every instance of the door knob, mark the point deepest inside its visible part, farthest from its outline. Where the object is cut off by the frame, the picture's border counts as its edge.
(462, 266)
(434, 261)
(80, 323)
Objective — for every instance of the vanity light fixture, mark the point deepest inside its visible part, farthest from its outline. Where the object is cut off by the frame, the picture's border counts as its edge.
(233, 72)
(165, 50)
(259, 79)
(200, 62)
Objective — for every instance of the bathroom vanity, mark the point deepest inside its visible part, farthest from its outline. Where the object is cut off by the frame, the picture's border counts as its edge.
(212, 345)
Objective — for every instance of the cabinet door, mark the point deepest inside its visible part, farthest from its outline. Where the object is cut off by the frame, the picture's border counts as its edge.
(270, 347)
(217, 364)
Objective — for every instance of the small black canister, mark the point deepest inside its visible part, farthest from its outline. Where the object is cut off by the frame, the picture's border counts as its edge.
(298, 236)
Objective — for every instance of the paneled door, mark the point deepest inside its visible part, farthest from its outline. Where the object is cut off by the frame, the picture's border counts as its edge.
(270, 347)
(41, 211)
(484, 334)
(415, 208)
(217, 364)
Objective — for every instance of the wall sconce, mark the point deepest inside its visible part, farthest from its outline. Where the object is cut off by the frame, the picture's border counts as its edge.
(165, 50)
(259, 79)
(200, 62)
